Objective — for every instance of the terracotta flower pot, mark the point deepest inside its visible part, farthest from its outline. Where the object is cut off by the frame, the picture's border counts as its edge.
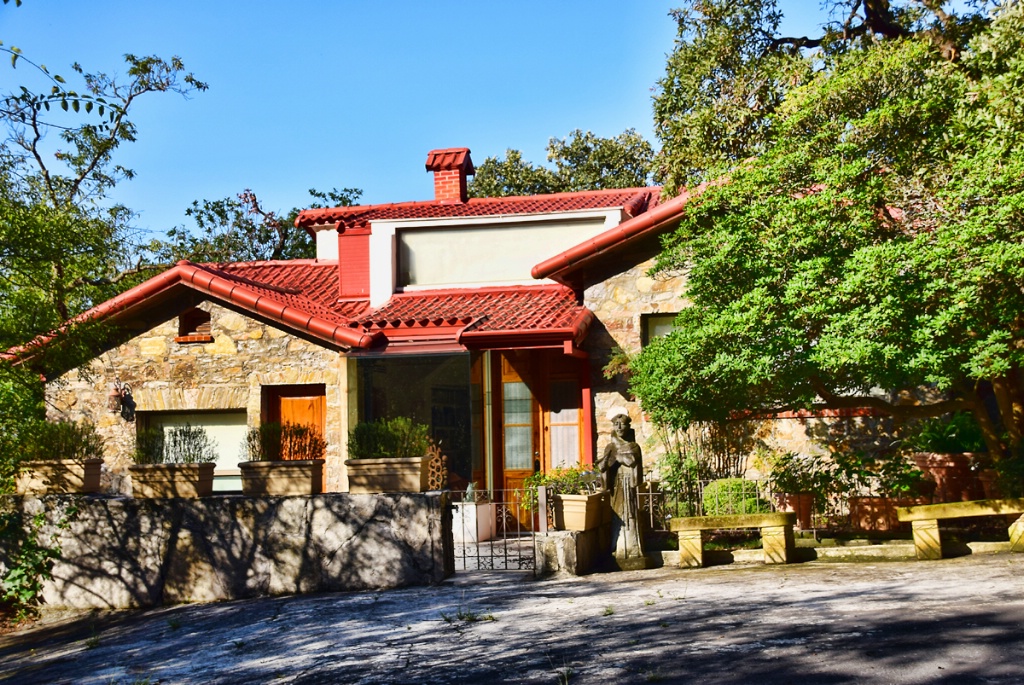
(580, 512)
(801, 503)
(282, 478)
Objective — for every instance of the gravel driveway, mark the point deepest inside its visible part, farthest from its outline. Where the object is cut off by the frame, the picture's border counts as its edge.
(957, 621)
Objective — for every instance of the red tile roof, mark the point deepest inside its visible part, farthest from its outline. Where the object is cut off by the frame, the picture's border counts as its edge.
(635, 200)
(301, 295)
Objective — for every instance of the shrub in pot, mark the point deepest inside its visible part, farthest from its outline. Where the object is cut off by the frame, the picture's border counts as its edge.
(60, 457)
(388, 455)
(576, 495)
(800, 484)
(876, 486)
(952, 451)
(283, 459)
(175, 463)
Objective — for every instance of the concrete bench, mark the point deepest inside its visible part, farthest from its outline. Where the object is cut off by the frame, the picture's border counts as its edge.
(925, 520)
(776, 534)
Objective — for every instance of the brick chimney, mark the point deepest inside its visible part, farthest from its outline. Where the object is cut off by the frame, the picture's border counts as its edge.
(450, 167)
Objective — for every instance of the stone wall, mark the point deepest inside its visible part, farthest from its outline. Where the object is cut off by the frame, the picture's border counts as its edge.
(123, 552)
(227, 373)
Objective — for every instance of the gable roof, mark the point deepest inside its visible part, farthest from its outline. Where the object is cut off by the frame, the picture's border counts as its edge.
(302, 296)
(634, 201)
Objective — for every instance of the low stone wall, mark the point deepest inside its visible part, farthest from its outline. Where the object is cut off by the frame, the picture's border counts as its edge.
(120, 552)
(567, 552)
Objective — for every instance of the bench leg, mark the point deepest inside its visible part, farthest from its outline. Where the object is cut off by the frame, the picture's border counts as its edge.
(691, 548)
(777, 542)
(927, 541)
(1017, 535)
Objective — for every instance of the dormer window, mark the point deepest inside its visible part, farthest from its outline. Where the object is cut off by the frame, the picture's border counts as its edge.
(194, 327)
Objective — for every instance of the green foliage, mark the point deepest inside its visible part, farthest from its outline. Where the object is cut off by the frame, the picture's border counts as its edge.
(274, 442)
(149, 446)
(895, 476)
(582, 161)
(876, 240)
(186, 444)
(238, 229)
(800, 473)
(957, 432)
(733, 496)
(399, 437)
(53, 440)
(29, 561)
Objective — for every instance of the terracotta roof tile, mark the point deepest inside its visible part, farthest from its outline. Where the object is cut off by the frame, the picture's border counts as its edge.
(522, 308)
(636, 199)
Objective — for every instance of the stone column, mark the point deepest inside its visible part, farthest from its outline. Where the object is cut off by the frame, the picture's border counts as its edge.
(777, 542)
(927, 541)
(691, 548)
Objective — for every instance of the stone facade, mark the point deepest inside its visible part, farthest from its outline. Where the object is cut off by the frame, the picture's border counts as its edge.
(119, 553)
(231, 372)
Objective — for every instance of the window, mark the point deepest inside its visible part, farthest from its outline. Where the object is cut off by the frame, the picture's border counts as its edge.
(194, 327)
(227, 431)
(656, 326)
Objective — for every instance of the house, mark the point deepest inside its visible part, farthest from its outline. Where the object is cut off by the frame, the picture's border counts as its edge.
(488, 319)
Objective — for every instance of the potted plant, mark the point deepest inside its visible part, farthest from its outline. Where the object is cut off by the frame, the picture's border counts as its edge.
(798, 482)
(952, 451)
(388, 455)
(60, 457)
(283, 460)
(878, 486)
(474, 517)
(578, 501)
(178, 463)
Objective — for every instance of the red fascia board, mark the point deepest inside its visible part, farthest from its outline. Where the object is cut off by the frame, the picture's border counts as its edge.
(518, 338)
(653, 219)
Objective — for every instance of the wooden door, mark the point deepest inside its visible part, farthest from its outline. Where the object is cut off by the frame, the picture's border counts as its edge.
(520, 435)
(303, 405)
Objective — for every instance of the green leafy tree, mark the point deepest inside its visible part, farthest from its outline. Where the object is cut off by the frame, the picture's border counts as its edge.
(874, 239)
(63, 246)
(238, 229)
(583, 161)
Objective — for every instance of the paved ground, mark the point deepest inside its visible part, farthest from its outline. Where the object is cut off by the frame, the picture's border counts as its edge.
(950, 621)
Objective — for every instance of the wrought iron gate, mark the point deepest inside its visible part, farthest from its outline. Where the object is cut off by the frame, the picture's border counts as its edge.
(496, 531)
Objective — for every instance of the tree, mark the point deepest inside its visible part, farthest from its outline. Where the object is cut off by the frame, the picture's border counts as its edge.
(238, 229)
(870, 237)
(582, 161)
(63, 248)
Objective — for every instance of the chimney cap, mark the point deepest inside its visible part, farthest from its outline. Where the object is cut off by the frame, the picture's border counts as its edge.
(450, 158)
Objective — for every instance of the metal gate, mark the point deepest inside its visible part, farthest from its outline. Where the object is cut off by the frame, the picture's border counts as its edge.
(497, 531)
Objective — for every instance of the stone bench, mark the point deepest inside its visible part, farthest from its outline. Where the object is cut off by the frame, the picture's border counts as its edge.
(776, 534)
(925, 520)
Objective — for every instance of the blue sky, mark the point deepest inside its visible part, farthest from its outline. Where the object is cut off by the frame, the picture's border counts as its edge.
(353, 94)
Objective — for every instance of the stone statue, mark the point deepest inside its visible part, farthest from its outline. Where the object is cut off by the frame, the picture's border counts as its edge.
(622, 471)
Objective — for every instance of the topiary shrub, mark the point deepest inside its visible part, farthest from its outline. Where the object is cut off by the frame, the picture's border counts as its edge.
(733, 496)
(398, 437)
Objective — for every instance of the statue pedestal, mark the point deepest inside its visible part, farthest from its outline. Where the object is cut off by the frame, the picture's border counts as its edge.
(631, 563)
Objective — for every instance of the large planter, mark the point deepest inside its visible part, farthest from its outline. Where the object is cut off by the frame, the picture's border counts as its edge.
(172, 480)
(388, 474)
(800, 503)
(954, 479)
(282, 478)
(580, 512)
(473, 522)
(59, 476)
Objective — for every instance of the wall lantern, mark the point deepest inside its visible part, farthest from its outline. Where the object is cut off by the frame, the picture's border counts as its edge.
(120, 401)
